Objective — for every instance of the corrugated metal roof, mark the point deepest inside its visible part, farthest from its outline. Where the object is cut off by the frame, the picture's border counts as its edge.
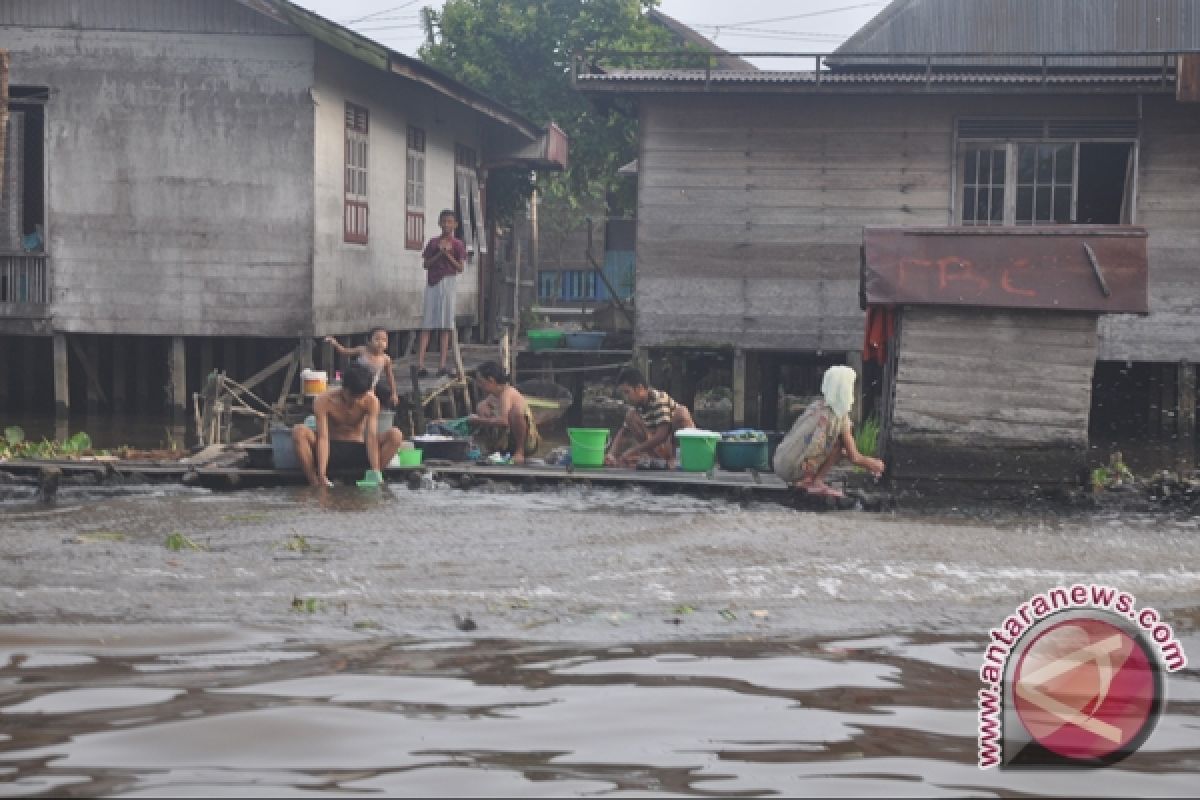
(875, 77)
(993, 27)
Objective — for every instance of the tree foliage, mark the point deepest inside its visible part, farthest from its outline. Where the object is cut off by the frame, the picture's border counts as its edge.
(519, 53)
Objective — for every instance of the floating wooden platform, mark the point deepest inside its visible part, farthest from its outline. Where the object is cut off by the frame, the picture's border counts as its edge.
(716, 483)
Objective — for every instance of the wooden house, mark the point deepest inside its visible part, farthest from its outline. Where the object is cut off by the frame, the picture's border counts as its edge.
(755, 186)
(196, 184)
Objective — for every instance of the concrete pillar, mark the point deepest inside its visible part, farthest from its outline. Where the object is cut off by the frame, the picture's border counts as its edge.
(177, 377)
(739, 388)
(120, 373)
(62, 383)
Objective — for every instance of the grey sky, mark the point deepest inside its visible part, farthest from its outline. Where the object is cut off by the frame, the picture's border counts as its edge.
(745, 26)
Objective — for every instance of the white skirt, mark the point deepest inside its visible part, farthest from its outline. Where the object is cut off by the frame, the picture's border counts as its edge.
(439, 305)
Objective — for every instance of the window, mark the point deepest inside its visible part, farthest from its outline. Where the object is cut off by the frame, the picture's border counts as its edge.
(414, 190)
(467, 199)
(22, 201)
(1045, 172)
(355, 217)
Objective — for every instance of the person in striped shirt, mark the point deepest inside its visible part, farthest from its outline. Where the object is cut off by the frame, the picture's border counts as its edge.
(650, 425)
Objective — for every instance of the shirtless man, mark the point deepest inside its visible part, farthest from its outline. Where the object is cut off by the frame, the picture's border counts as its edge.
(374, 356)
(346, 438)
(504, 423)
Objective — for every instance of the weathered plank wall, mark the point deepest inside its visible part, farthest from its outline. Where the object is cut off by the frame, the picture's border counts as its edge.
(991, 395)
(178, 171)
(1168, 205)
(750, 212)
(356, 286)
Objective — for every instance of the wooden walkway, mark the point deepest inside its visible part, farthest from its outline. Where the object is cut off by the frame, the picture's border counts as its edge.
(740, 486)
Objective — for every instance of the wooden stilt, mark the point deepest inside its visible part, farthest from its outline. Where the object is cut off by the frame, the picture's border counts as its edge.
(855, 362)
(120, 355)
(754, 382)
(91, 365)
(1186, 420)
(62, 384)
(769, 403)
(177, 372)
(1168, 397)
(33, 367)
(229, 358)
(141, 375)
(739, 388)
(329, 358)
(206, 359)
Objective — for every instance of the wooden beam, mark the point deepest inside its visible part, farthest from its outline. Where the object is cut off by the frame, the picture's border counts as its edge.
(62, 384)
(268, 371)
(206, 359)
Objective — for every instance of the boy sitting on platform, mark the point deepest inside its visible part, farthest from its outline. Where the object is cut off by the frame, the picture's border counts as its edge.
(650, 425)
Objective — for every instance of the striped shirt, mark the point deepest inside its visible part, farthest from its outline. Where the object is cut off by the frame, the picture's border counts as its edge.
(658, 409)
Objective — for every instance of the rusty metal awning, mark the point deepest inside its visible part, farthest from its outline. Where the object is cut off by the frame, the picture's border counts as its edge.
(1098, 268)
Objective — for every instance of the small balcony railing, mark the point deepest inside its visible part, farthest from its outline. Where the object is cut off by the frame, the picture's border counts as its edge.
(24, 285)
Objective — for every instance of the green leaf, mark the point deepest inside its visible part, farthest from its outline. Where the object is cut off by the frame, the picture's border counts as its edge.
(14, 434)
(77, 443)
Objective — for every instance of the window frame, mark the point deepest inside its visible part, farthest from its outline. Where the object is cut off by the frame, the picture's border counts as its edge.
(1011, 145)
(414, 185)
(355, 176)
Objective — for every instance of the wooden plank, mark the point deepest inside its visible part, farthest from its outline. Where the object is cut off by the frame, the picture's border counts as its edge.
(177, 376)
(1067, 402)
(1186, 431)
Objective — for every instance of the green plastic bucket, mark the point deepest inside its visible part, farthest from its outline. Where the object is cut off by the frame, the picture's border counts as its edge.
(587, 446)
(409, 457)
(697, 452)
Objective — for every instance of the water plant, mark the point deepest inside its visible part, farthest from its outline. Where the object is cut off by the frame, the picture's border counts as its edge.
(177, 541)
(13, 444)
(867, 437)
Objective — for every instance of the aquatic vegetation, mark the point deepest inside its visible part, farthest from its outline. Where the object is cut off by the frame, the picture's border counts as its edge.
(13, 444)
(177, 541)
(299, 544)
(866, 439)
(307, 605)
(100, 536)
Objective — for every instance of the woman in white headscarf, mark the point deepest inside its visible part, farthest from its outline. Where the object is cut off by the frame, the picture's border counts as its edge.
(821, 436)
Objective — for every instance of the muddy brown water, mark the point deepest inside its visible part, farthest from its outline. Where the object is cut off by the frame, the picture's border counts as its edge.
(624, 643)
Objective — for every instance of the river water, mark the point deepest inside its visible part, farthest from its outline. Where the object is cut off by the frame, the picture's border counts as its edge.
(172, 642)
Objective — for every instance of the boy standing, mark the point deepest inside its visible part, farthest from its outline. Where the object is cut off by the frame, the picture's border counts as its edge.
(444, 258)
